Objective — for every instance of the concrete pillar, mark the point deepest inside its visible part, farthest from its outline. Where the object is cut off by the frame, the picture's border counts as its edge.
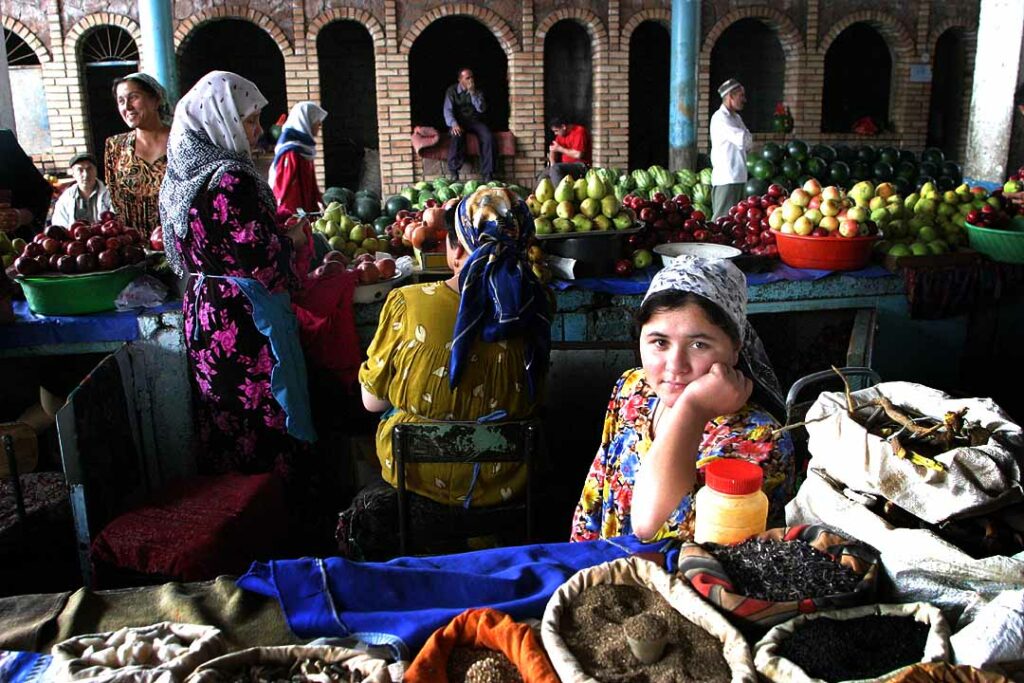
(1000, 28)
(682, 115)
(158, 59)
(6, 99)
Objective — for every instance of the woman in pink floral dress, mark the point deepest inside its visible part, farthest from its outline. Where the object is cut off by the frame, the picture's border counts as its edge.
(220, 229)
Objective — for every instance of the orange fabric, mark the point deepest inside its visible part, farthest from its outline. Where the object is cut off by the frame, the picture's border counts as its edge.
(485, 628)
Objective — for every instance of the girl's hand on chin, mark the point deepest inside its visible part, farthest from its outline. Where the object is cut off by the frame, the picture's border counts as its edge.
(722, 391)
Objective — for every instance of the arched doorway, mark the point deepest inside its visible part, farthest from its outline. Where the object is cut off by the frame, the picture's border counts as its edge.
(649, 59)
(444, 47)
(949, 78)
(106, 53)
(31, 116)
(241, 47)
(749, 51)
(348, 91)
(858, 77)
(568, 74)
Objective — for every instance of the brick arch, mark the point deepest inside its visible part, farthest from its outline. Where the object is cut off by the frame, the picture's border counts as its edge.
(187, 26)
(895, 34)
(359, 16)
(25, 33)
(789, 37)
(586, 18)
(970, 34)
(661, 16)
(491, 20)
(91, 21)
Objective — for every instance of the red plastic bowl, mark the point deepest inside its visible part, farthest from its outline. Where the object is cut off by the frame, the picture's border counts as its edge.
(824, 253)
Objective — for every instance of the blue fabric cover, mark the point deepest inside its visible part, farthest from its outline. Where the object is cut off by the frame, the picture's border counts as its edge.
(29, 329)
(401, 602)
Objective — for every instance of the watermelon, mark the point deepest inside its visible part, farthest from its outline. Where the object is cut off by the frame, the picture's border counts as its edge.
(752, 162)
(930, 168)
(781, 180)
(342, 195)
(882, 171)
(791, 168)
(382, 223)
(797, 149)
(755, 186)
(839, 173)
(409, 193)
(817, 167)
(772, 152)
(952, 170)
(906, 170)
(396, 203)
(424, 196)
(456, 188)
(470, 187)
(922, 179)
(366, 208)
(444, 193)
(860, 170)
(824, 152)
(422, 186)
(763, 170)
(903, 186)
(934, 155)
(907, 155)
(946, 183)
(845, 153)
(889, 155)
(866, 154)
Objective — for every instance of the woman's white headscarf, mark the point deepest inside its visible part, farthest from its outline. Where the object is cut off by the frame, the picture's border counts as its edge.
(207, 139)
(297, 134)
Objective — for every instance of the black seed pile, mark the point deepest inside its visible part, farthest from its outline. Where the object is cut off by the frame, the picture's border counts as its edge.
(781, 571)
(850, 649)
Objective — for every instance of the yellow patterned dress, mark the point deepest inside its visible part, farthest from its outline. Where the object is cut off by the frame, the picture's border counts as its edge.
(133, 182)
(407, 364)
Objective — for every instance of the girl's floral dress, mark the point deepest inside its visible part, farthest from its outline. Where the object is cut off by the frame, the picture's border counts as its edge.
(241, 425)
(604, 507)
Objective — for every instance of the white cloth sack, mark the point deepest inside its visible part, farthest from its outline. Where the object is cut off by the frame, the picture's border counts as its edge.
(995, 635)
(978, 479)
(365, 667)
(635, 571)
(780, 670)
(104, 657)
(920, 565)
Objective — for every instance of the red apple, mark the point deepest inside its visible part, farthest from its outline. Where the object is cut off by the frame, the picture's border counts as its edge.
(53, 260)
(50, 245)
(74, 248)
(32, 250)
(96, 244)
(56, 232)
(107, 216)
(368, 273)
(82, 233)
(26, 266)
(109, 259)
(698, 215)
(114, 243)
(624, 267)
(132, 254)
(66, 265)
(387, 268)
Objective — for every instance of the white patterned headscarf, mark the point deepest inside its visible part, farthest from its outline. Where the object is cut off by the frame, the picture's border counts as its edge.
(207, 140)
(723, 284)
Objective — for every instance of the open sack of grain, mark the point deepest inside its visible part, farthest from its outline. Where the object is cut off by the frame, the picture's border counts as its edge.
(294, 663)
(586, 622)
(160, 653)
(867, 643)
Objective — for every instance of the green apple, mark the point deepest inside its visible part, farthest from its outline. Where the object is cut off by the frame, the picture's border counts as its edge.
(919, 249)
(900, 250)
(581, 223)
(602, 222)
(357, 234)
(337, 243)
(543, 225)
(927, 233)
(623, 221)
(562, 225)
(642, 258)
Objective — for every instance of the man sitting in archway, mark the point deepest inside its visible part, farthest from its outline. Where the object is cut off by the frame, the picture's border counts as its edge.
(464, 107)
(569, 153)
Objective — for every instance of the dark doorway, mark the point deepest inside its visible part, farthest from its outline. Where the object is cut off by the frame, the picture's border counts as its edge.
(649, 57)
(106, 54)
(946, 108)
(568, 74)
(348, 91)
(750, 52)
(241, 47)
(858, 75)
(443, 48)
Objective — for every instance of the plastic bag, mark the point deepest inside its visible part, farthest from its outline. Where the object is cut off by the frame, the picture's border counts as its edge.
(157, 653)
(776, 668)
(144, 291)
(634, 571)
(978, 478)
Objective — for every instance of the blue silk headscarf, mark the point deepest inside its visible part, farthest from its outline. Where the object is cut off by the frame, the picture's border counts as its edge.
(500, 295)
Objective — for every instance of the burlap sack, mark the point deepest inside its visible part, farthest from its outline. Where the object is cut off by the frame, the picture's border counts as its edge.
(775, 668)
(639, 572)
(977, 479)
(114, 657)
(368, 669)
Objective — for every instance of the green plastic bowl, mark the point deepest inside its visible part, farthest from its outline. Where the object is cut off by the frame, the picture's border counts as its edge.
(77, 294)
(1005, 246)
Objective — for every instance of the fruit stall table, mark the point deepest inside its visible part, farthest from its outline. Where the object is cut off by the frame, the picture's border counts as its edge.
(157, 351)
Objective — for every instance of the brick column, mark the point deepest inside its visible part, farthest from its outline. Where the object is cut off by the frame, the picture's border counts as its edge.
(394, 115)
(806, 107)
(526, 100)
(912, 117)
(616, 82)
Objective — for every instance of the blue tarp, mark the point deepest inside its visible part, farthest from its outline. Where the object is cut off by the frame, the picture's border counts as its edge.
(401, 602)
(30, 329)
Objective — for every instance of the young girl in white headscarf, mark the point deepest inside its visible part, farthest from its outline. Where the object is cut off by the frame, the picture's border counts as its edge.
(220, 230)
(690, 403)
(292, 175)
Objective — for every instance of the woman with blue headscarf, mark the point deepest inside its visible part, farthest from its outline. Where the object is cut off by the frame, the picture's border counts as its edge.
(292, 175)
(472, 346)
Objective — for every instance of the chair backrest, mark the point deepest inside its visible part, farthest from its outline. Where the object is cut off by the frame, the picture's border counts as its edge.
(464, 442)
(99, 444)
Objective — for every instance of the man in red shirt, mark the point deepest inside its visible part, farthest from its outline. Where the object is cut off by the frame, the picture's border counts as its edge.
(569, 154)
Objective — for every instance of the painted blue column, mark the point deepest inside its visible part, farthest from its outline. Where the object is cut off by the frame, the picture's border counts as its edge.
(158, 58)
(682, 101)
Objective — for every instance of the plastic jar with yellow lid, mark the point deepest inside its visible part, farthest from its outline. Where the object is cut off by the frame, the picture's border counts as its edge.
(731, 506)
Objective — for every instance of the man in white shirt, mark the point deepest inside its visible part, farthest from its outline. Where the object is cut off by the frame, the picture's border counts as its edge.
(87, 199)
(730, 142)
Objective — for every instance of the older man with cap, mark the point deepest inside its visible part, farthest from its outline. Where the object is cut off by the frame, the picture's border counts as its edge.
(730, 142)
(87, 199)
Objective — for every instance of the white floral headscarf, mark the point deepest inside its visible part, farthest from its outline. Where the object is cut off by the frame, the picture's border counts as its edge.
(722, 283)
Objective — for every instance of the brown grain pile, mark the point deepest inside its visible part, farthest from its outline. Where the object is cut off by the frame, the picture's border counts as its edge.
(480, 665)
(592, 628)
